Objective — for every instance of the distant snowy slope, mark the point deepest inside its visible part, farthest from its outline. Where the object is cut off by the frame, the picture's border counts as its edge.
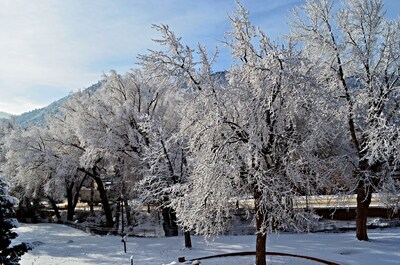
(38, 116)
(5, 115)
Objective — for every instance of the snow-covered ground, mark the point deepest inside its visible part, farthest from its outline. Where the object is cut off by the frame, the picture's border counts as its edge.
(60, 244)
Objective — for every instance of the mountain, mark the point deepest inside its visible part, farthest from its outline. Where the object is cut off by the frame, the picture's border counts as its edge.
(38, 116)
(5, 115)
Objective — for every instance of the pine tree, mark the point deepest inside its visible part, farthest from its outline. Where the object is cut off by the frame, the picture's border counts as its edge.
(9, 255)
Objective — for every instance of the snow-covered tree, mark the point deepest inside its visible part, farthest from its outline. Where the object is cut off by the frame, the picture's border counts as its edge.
(141, 117)
(40, 167)
(245, 137)
(6, 126)
(65, 173)
(165, 160)
(357, 55)
(131, 100)
(110, 126)
(9, 255)
(29, 164)
(84, 126)
(167, 154)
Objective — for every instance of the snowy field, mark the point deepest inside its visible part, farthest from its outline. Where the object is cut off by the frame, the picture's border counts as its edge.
(59, 244)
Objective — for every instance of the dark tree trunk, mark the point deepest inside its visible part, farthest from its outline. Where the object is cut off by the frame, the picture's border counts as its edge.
(261, 241)
(31, 209)
(102, 193)
(73, 197)
(261, 244)
(364, 195)
(104, 202)
(363, 202)
(166, 221)
(117, 215)
(91, 200)
(78, 191)
(70, 204)
(127, 212)
(169, 222)
(188, 240)
(55, 208)
(174, 222)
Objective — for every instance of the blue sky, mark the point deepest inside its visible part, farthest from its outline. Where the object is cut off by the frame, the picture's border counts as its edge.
(50, 48)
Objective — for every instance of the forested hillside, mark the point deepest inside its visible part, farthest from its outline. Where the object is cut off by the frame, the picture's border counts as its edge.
(38, 116)
(4, 115)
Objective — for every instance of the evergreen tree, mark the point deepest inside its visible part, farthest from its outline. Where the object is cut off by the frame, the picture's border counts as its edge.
(9, 255)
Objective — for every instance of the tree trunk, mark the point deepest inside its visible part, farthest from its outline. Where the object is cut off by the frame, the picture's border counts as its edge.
(78, 191)
(91, 200)
(188, 241)
(72, 201)
(166, 221)
(169, 222)
(261, 244)
(261, 241)
(122, 219)
(31, 209)
(73, 197)
(76, 198)
(102, 192)
(174, 222)
(104, 202)
(363, 202)
(70, 204)
(127, 212)
(55, 208)
(117, 215)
